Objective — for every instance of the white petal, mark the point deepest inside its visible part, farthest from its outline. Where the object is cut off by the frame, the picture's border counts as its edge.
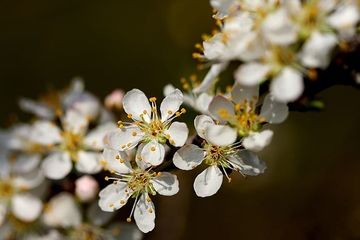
(3, 211)
(95, 139)
(245, 94)
(62, 211)
(88, 162)
(188, 157)
(251, 73)
(221, 135)
(153, 153)
(139, 161)
(256, 141)
(220, 103)
(45, 133)
(210, 77)
(87, 105)
(202, 102)
(26, 207)
(75, 122)
(126, 138)
(30, 179)
(113, 158)
(178, 132)
(40, 109)
(278, 28)
(111, 196)
(208, 182)
(287, 86)
(57, 165)
(135, 103)
(166, 184)
(144, 214)
(273, 111)
(169, 88)
(248, 163)
(316, 52)
(344, 19)
(26, 162)
(171, 104)
(202, 122)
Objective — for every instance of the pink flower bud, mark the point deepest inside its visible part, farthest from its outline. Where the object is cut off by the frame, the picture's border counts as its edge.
(114, 99)
(86, 188)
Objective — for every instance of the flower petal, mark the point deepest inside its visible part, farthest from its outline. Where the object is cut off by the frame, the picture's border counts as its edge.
(210, 77)
(245, 94)
(126, 138)
(208, 182)
(95, 139)
(202, 102)
(139, 161)
(45, 133)
(178, 133)
(26, 162)
(30, 179)
(40, 109)
(26, 207)
(221, 135)
(248, 163)
(114, 196)
(171, 104)
(287, 86)
(222, 105)
(135, 103)
(88, 162)
(256, 141)
(3, 211)
(57, 165)
(188, 157)
(144, 214)
(273, 111)
(202, 122)
(75, 122)
(63, 211)
(251, 73)
(114, 161)
(153, 153)
(166, 184)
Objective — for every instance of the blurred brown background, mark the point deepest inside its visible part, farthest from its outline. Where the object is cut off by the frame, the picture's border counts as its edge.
(311, 187)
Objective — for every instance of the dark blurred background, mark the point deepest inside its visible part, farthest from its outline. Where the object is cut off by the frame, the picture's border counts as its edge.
(311, 187)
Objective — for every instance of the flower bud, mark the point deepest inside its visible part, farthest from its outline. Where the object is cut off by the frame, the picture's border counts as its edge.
(86, 188)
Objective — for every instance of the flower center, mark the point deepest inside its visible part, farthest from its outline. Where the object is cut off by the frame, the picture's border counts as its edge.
(139, 182)
(72, 142)
(6, 189)
(216, 155)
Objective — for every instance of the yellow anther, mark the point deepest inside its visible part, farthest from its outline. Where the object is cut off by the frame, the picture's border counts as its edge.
(177, 114)
(128, 220)
(112, 171)
(183, 110)
(170, 112)
(312, 73)
(122, 201)
(119, 122)
(128, 144)
(144, 112)
(193, 166)
(122, 160)
(172, 142)
(58, 112)
(229, 180)
(139, 158)
(186, 86)
(153, 149)
(193, 77)
(262, 120)
(137, 123)
(123, 146)
(153, 109)
(183, 80)
(159, 174)
(167, 136)
(121, 126)
(203, 131)
(117, 156)
(148, 199)
(150, 210)
(103, 162)
(50, 146)
(237, 106)
(111, 205)
(152, 99)
(115, 182)
(134, 134)
(129, 115)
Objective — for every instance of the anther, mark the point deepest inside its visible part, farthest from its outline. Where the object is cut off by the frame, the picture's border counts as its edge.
(153, 149)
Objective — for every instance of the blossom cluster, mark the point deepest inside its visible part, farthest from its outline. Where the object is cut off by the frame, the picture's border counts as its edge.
(64, 174)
